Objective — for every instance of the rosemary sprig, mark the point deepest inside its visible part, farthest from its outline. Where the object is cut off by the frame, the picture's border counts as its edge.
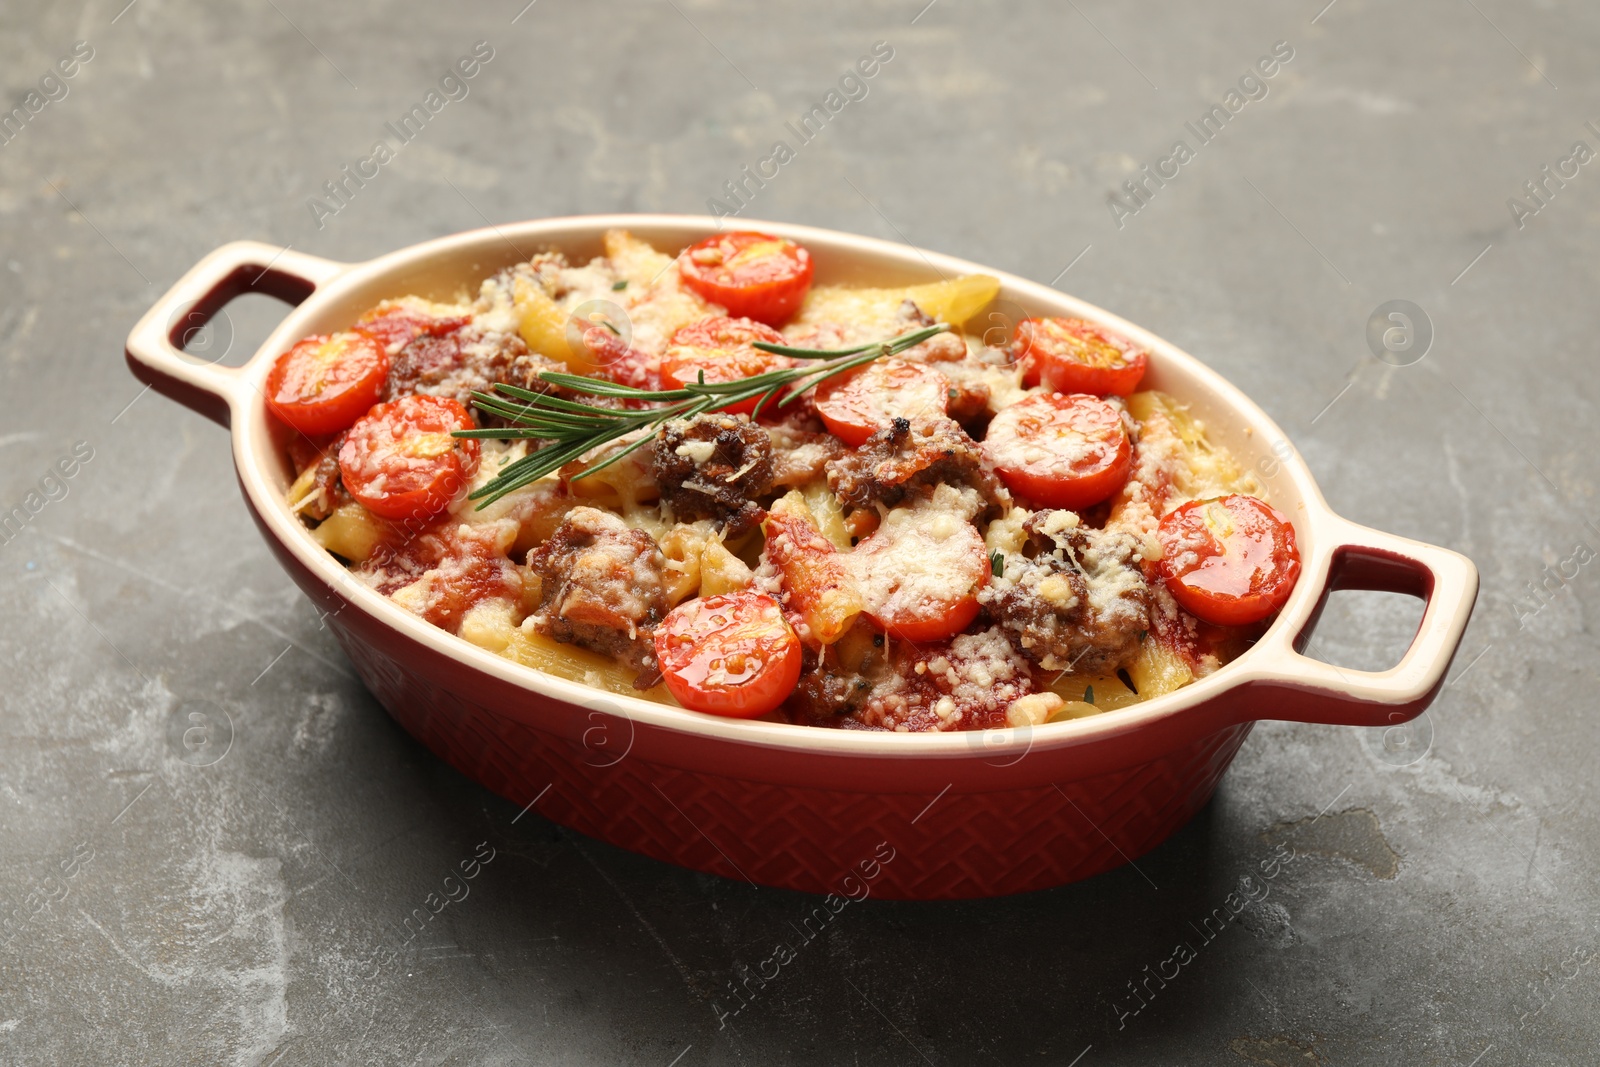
(573, 429)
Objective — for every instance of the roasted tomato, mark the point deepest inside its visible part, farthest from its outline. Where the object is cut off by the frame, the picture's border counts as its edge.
(1074, 356)
(399, 461)
(730, 655)
(858, 404)
(1060, 451)
(753, 275)
(325, 383)
(920, 573)
(720, 348)
(816, 581)
(616, 359)
(1229, 561)
(395, 325)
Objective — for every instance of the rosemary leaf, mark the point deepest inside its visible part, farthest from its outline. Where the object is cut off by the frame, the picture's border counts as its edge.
(575, 429)
(817, 377)
(897, 344)
(643, 440)
(811, 353)
(515, 433)
(529, 469)
(577, 383)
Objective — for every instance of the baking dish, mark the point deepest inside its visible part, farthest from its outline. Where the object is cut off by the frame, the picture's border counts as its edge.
(965, 814)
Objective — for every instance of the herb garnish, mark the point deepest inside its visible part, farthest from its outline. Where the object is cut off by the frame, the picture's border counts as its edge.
(574, 429)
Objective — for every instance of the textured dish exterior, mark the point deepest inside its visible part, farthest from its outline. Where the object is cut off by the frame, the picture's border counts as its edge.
(947, 847)
(978, 814)
(625, 783)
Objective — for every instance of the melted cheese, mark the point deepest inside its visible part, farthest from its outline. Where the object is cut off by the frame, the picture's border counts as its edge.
(931, 551)
(1003, 380)
(922, 557)
(698, 452)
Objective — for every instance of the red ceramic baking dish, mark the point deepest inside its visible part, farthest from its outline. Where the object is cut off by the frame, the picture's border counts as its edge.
(971, 814)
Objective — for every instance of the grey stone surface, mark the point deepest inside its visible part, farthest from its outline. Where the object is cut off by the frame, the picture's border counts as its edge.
(1440, 912)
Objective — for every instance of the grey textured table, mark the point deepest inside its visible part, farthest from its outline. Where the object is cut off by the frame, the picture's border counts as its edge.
(1441, 906)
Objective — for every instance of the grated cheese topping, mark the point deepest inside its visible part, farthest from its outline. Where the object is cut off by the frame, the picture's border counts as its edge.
(923, 557)
(939, 547)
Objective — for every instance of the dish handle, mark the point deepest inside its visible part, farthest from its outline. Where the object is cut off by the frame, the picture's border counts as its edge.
(1288, 684)
(155, 346)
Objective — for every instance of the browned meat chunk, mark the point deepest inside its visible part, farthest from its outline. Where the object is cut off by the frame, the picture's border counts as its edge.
(836, 680)
(600, 586)
(714, 466)
(969, 401)
(471, 358)
(940, 348)
(928, 452)
(970, 682)
(443, 570)
(1075, 598)
(801, 456)
(327, 485)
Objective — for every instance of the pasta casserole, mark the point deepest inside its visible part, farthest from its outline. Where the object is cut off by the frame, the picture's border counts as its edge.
(695, 476)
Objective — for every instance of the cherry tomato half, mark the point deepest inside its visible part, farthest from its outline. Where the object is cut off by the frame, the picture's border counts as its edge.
(753, 275)
(1228, 561)
(920, 574)
(858, 404)
(1074, 356)
(616, 360)
(1060, 451)
(730, 655)
(395, 325)
(325, 383)
(400, 462)
(721, 348)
